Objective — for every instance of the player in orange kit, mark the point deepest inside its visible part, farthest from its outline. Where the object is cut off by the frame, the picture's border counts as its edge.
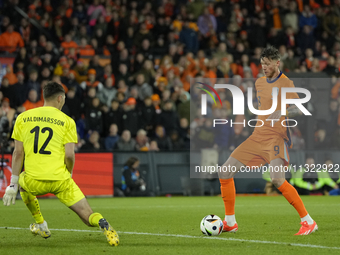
(268, 144)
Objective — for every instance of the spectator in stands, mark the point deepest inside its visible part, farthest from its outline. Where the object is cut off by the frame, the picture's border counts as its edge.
(123, 74)
(306, 39)
(112, 138)
(331, 22)
(163, 141)
(153, 146)
(108, 92)
(91, 82)
(144, 89)
(274, 38)
(290, 63)
(221, 52)
(113, 116)
(33, 100)
(168, 117)
(80, 13)
(120, 97)
(125, 142)
(204, 136)
(148, 71)
(47, 62)
(94, 11)
(122, 59)
(12, 79)
(130, 117)
(189, 38)
(67, 44)
(142, 33)
(108, 74)
(222, 20)
(330, 68)
(307, 18)
(8, 91)
(10, 40)
(160, 48)
(183, 128)
(176, 141)
(145, 49)
(93, 143)
(308, 60)
(258, 33)
(33, 83)
(94, 116)
(291, 18)
(46, 74)
(148, 115)
(73, 104)
(160, 86)
(22, 57)
(207, 25)
(21, 89)
(142, 141)
(94, 64)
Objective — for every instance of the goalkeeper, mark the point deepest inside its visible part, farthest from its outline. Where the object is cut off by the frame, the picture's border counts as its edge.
(45, 138)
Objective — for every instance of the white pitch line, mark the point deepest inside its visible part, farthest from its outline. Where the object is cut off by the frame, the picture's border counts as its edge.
(194, 237)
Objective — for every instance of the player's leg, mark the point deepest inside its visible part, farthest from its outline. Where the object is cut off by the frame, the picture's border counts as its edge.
(40, 226)
(277, 176)
(70, 194)
(245, 154)
(228, 192)
(32, 204)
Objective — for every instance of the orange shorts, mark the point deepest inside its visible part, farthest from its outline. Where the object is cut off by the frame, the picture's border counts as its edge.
(260, 150)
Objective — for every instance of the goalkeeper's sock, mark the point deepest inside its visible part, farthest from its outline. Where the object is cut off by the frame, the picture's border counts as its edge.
(290, 193)
(33, 205)
(94, 219)
(229, 195)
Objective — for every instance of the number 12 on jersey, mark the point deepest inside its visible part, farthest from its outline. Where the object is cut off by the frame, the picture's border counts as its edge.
(36, 131)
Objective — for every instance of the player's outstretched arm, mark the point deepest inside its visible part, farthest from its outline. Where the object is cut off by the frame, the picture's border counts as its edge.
(69, 156)
(17, 161)
(293, 111)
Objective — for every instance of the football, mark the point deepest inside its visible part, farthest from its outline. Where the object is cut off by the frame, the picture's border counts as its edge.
(211, 225)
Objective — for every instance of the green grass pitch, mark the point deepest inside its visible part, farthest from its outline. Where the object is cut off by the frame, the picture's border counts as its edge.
(164, 225)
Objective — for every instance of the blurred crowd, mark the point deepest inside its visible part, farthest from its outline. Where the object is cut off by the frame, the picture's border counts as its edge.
(126, 65)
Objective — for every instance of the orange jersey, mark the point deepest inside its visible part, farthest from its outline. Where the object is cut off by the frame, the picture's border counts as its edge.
(265, 100)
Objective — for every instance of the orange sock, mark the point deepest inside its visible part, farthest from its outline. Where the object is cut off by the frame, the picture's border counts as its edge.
(228, 195)
(290, 193)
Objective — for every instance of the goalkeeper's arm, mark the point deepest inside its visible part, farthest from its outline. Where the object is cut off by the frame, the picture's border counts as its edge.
(69, 156)
(17, 161)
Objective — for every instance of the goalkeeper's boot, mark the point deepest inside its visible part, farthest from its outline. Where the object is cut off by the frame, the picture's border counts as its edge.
(307, 229)
(40, 229)
(111, 234)
(227, 228)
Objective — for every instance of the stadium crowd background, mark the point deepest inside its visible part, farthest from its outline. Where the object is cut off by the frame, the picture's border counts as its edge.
(126, 65)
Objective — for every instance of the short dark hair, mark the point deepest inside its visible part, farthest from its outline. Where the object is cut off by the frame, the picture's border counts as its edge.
(271, 53)
(52, 89)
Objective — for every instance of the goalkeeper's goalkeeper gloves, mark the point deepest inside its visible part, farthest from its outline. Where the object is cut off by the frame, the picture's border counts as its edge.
(11, 191)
